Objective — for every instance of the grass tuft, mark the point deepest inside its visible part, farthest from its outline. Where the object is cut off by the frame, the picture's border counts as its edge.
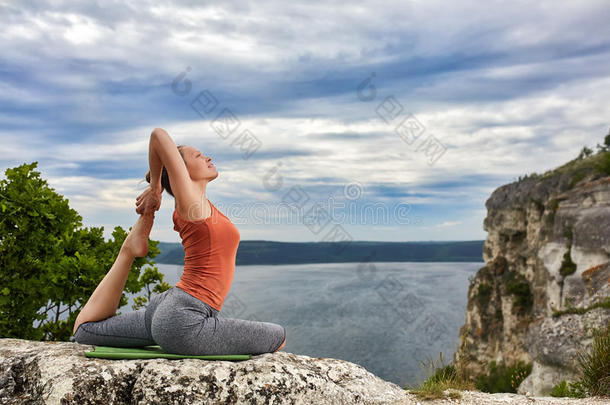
(594, 368)
(445, 382)
(503, 378)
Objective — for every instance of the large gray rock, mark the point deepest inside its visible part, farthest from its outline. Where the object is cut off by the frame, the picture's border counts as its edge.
(59, 373)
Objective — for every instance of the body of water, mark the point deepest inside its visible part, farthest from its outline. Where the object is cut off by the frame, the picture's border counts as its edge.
(385, 316)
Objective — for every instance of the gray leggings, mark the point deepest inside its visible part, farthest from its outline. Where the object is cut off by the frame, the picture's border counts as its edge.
(182, 324)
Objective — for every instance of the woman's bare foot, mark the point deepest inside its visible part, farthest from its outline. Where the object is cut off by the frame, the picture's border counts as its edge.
(280, 348)
(137, 240)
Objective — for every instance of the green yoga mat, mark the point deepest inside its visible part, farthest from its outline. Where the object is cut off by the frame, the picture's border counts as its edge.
(153, 352)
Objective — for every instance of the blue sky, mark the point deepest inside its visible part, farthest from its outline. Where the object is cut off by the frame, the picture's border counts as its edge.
(399, 121)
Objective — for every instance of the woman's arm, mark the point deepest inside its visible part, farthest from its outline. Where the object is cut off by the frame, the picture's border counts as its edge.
(154, 160)
(163, 152)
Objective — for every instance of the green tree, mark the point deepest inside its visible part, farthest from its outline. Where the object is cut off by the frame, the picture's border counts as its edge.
(606, 146)
(49, 264)
(585, 152)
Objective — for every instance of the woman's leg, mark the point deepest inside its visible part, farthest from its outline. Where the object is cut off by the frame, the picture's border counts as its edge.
(183, 324)
(104, 301)
(124, 330)
(282, 346)
(131, 329)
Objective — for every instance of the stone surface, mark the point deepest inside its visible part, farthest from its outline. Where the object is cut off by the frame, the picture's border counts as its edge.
(531, 225)
(59, 373)
(482, 398)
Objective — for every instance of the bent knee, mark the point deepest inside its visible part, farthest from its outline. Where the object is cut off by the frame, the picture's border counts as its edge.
(82, 335)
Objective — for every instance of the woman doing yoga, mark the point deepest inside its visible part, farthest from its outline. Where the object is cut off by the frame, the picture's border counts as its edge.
(183, 319)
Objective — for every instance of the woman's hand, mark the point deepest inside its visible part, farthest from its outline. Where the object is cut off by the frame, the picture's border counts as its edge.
(149, 201)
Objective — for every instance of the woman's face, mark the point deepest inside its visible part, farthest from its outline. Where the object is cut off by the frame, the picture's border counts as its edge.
(200, 167)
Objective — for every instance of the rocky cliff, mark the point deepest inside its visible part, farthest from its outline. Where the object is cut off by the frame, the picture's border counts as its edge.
(546, 279)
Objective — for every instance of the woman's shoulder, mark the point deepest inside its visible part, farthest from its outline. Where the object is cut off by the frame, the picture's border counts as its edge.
(194, 211)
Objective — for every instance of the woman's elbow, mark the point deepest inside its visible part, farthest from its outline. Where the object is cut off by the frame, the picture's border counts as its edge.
(157, 131)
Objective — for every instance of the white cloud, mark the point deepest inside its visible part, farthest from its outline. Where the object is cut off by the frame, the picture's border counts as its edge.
(444, 224)
(510, 88)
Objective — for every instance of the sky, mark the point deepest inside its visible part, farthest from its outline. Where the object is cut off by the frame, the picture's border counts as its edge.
(326, 121)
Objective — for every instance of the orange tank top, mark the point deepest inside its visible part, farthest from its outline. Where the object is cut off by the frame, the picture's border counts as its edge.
(210, 248)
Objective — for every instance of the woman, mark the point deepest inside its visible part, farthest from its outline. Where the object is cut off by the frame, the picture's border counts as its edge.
(183, 319)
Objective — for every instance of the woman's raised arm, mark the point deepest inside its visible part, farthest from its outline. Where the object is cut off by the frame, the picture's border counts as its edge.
(154, 161)
(163, 152)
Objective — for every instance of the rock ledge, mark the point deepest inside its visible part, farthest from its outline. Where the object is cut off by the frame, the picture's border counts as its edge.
(60, 373)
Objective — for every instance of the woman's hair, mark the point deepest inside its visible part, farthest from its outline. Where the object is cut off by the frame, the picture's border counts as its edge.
(165, 177)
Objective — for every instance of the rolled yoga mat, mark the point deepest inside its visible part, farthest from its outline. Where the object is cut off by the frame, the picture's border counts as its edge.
(153, 352)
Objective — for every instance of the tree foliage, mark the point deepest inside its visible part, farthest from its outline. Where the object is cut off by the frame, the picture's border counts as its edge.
(606, 146)
(585, 152)
(50, 265)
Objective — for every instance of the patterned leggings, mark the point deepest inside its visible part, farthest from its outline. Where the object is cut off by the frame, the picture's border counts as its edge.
(182, 324)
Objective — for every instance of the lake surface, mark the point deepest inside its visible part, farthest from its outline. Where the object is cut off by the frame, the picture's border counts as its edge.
(385, 316)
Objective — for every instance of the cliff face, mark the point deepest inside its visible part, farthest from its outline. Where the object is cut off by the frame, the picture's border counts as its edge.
(547, 250)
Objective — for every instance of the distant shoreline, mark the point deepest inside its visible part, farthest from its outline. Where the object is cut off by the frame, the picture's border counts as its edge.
(253, 252)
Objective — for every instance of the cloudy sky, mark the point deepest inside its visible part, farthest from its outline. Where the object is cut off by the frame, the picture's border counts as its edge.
(397, 121)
